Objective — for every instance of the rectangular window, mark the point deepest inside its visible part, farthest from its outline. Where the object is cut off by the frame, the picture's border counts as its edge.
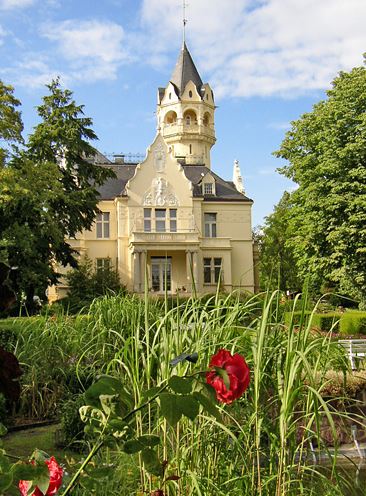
(147, 219)
(173, 219)
(160, 219)
(210, 225)
(102, 225)
(212, 270)
(207, 189)
(217, 269)
(207, 270)
(103, 264)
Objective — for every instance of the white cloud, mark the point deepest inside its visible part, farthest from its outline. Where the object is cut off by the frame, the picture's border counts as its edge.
(94, 50)
(269, 47)
(15, 4)
(33, 72)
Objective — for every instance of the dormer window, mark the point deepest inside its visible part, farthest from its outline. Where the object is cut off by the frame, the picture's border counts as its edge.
(207, 188)
(190, 94)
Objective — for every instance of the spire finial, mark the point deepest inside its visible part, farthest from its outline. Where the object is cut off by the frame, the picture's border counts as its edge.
(184, 20)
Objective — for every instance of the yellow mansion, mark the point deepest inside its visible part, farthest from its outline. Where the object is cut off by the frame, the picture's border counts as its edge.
(170, 221)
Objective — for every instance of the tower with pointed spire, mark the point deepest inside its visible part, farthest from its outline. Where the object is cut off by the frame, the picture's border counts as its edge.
(186, 113)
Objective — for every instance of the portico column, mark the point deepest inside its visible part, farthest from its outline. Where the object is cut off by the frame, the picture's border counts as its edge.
(195, 269)
(136, 272)
(189, 270)
(143, 270)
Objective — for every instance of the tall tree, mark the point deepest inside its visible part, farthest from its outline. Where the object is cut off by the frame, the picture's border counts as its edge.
(277, 261)
(48, 192)
(326, 150)
(11, 125)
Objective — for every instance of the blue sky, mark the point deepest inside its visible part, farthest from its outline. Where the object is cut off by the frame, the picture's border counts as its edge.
(268, 62)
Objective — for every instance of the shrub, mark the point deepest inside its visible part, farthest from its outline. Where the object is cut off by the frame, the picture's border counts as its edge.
(72, 428)
(86, 284)
(8, 334)
(327, 321)
(353, 322)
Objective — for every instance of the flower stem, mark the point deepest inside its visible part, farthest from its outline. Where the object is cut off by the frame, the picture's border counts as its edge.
(93, 452)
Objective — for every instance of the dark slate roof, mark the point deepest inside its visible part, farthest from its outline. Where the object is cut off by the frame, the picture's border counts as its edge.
(185, 71)
(116, 186)
(225, 190)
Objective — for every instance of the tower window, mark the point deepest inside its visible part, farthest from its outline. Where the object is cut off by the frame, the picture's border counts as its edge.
(190, 117)
(190, 94)
(190, 149)
(170, 117)
(170, 96)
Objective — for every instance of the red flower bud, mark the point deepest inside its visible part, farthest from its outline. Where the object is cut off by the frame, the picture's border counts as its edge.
(56, 474)
(237, 372)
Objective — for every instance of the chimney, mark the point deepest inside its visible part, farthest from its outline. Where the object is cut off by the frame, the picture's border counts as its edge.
(119, 159)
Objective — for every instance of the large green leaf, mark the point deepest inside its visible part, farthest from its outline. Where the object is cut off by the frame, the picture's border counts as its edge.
(6, 480)
(207, 404)
(188, 405)
(3, 430)
(105, 385)
(142, 442)
(169, 408)
(151, 461)
(180, 384)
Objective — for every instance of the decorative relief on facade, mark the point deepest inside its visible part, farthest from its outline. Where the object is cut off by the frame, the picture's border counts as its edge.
(160, 194)
(159, 158)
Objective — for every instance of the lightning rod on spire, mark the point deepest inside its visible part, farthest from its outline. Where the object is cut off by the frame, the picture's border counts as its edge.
(184, 20)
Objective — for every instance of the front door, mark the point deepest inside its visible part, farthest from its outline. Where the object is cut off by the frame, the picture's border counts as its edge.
(161, 274)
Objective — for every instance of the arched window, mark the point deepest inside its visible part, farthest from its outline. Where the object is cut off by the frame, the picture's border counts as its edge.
(171, 117)
(190, 117)
(206, 119)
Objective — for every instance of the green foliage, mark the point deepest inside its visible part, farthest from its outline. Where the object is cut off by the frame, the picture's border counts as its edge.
(327, 321)
(277, 261)
(326, 150)
(11, 125)
(48, 193)
(126, 345)
(353, 322)
(72, 428)
(85, 283)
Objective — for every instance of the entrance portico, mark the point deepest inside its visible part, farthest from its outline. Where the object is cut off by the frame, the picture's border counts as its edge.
(165, 270)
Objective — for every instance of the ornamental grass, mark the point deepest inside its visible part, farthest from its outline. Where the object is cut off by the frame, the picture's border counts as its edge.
(258, 444)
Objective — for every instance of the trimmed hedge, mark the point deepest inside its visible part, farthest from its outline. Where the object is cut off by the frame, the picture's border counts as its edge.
(327, 321)
(353, 322)
(349, 323)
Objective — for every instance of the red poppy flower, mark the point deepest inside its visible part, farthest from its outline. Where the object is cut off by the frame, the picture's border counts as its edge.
(56, 474)
(236, 371)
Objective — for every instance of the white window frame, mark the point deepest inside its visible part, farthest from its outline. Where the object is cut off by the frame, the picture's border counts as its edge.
(102, 264)
(147, 219)
(208, 189)
(210, 225)
(102, 227)
(169, 221)
(215, 266)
